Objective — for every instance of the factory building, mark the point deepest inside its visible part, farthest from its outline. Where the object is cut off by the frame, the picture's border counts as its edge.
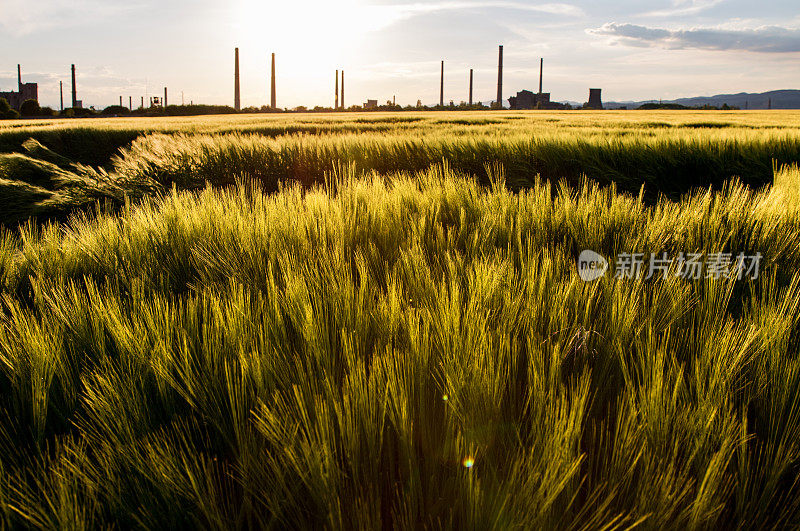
(26, 91)
(526, 99)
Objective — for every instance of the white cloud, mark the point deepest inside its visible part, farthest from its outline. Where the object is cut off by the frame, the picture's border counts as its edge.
(764, 39)
(684, 7)
(397, 12)
(23, 17)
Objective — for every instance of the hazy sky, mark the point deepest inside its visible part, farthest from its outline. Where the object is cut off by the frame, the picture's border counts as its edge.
(632, 49)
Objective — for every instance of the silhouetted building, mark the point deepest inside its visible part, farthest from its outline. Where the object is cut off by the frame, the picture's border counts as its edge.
(528, 100)
(25, 91)
(595, 101)
(371, 104)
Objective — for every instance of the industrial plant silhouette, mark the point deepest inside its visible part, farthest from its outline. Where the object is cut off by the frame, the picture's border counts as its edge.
(524, 99)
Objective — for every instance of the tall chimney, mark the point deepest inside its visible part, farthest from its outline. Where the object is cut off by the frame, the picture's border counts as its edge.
(341, 100)
(61, 91)
(541, 70)
(74, 89)
(336, 90)
(165, 97)
(120, 101)
(441, 87)
(19, 79)
(273, 96)
(130, 102)
(237, 102)
(470, 86)
(500, 79)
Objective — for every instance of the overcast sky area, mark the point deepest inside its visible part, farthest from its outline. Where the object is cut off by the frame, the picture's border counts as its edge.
(632, 49)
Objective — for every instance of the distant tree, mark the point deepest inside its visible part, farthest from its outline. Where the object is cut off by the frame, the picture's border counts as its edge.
(47, 111)
(77, 111)
(6, 112)
(30, 108)
(115, 110)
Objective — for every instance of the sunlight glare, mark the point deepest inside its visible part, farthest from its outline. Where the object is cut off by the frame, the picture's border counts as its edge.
(317, 32)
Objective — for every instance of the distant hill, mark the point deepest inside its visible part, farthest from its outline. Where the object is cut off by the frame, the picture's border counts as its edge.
(781, 99)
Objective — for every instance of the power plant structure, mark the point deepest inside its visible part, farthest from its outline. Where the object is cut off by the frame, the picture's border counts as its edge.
(237, 85)
(25, 91)
(273, 97)
(76, 103)
(526, 100)
(595, 99)
(237, 102)
(470, 86)
(441, 87)
(499, 102)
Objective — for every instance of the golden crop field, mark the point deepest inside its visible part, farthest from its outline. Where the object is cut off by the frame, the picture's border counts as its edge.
(488, 320)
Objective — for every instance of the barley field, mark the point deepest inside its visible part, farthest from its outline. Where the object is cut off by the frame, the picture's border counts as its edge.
(377, 321)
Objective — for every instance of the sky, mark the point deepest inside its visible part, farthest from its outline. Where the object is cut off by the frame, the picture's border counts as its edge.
(632, 49)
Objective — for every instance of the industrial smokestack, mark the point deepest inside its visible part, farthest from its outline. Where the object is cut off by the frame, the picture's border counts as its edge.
(19, 78)
(165, 97)
(470, 86)
(61, 91)
(237, 102)
(541, 70)
(336, 91)
(74, 89)
(342, 98)
(441, 87)
(130, 102)
(273, 96)
(500, 79)
(120, 101)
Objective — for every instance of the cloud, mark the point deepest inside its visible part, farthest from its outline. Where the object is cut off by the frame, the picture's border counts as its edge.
(397, 12)
(684, 7)
(765, 39)
(23, 17)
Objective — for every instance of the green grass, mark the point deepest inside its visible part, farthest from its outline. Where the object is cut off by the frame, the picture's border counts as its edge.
(330, 358)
